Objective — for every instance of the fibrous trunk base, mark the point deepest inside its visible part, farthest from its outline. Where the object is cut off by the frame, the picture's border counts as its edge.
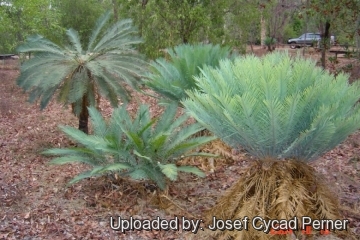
(274, 189)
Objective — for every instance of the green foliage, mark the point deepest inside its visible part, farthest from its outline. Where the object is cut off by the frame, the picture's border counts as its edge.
(277, 106)
(269, 41)
(81, 15)
(242, 20)
(142, 148)
(21, 18)
(108, 60)
(341, 15)
(171, 78)
(296, 27)
(164, 24)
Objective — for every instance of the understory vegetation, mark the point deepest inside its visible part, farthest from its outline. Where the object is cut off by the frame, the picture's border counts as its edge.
(134, 148)
(172, 76)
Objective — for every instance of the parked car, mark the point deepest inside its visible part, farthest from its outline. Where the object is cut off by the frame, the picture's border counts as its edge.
(309, 39)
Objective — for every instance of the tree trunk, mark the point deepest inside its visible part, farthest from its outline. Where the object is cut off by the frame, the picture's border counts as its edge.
(115, 7)
(269, 48)
(251, 47)
(357, 36)
(263, 30)
(324, 39)
(183, 31)
(142, 16)
(306, 23)
(84, 115)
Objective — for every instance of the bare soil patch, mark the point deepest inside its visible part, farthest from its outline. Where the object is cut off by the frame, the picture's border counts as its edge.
(36, 204)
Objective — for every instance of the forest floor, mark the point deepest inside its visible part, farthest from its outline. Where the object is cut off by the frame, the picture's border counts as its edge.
(36, 204)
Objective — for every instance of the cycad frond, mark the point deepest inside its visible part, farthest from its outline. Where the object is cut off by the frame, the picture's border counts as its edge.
(74, 38)
(39, 44)
(134, 147)
(119, 36)
(100, 23)
(172, 78)
(276, 106)
(98, 122)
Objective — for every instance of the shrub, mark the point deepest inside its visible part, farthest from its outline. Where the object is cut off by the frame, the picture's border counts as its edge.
(172, 77)
(270, 42)
(142, 148)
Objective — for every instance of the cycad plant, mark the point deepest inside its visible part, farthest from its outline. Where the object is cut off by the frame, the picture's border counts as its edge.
(142, 148)
(79, 76)
(270, 43)
(286, 112)
(173, 76)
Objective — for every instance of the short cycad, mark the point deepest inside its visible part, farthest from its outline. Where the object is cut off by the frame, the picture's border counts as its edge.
(77, 75)
(285, 111)
(276, 107)
(172, 77)
(142, 148)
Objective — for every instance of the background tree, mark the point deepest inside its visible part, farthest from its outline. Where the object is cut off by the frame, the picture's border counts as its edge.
(333, 15)
(279, 14)
(81, 15)
(21, 18)
(80, 75)
(254, 21)
(295, 27)
(165, 23)
(242, 23)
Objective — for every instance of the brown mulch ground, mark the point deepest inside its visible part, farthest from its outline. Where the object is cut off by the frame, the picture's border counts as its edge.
(35, 204)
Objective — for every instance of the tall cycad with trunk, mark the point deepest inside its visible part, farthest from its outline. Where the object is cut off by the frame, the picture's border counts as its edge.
(286, 112)
(79, 76)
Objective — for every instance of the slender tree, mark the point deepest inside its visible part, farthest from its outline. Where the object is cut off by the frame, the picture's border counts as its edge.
(78, 76)
(333, 14)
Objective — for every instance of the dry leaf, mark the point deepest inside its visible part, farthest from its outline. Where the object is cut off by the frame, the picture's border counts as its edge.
(27, 215)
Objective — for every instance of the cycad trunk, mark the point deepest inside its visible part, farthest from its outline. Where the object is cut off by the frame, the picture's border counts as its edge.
(84, 115)
(274, 189)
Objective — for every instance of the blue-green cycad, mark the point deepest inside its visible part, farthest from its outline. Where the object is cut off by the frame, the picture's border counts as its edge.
(142, 148)
(80, 75)
(171, 78)
(277, 107)
(284, 111)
